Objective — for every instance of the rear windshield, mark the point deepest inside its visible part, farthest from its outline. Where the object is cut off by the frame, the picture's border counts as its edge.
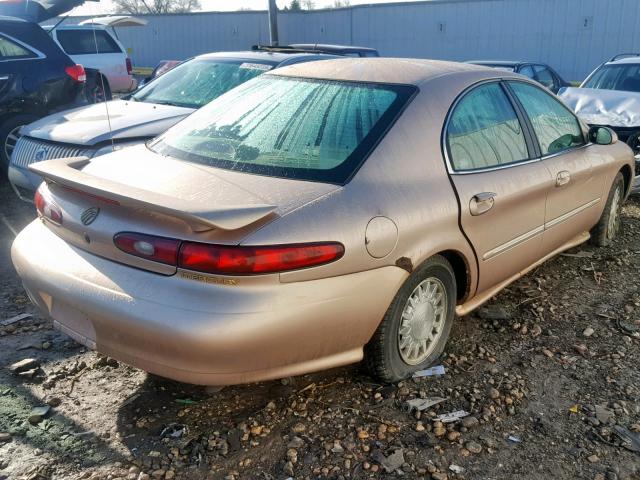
(616, 77)
(289, 127)
(87, 42)
(196, 82)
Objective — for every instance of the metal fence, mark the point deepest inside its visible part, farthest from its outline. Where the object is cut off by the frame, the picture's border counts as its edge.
(574, 36)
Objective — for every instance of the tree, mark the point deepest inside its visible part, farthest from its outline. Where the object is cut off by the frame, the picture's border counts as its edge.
(137, 7)
(308, 4)
(341, 3)
(295, 6)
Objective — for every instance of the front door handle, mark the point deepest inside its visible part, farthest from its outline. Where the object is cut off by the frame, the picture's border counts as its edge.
(481, 203)
(563, 178)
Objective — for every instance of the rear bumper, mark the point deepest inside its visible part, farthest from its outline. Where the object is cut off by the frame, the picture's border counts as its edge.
(204, 333)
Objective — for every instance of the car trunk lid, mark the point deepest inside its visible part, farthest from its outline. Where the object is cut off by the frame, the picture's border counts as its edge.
(136, 190)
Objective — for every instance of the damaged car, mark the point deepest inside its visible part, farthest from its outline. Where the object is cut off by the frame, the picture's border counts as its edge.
(36, 79)
(317, 215)
(610, 96)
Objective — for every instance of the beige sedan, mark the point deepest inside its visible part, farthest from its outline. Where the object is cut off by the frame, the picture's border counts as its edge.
(317, 215)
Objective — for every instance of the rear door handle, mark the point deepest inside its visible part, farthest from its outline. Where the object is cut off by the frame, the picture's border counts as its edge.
(481, 203)
(563, 178)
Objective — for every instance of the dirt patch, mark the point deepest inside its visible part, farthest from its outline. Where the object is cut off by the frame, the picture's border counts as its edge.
(548, 372)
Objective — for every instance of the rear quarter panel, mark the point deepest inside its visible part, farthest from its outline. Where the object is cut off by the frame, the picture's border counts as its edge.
(405, 180)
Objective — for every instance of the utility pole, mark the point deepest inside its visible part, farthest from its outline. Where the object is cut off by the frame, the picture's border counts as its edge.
(273, 23)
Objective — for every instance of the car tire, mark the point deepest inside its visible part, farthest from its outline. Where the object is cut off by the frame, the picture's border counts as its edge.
(98, 90)
(8, 136)
(389, 354)
(608, 226)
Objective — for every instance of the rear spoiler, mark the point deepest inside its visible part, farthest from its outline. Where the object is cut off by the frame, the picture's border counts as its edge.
(66, 172)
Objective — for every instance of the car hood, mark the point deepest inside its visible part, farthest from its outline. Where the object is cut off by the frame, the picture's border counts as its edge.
(90, 125)
(604, 107)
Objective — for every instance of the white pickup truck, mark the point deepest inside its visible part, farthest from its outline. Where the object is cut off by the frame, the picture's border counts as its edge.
(93, 43)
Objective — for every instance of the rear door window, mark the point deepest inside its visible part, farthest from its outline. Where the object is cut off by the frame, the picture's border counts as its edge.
(10, 50)
(556, 127)
(87, 42)
(299, 128)
(484, 131)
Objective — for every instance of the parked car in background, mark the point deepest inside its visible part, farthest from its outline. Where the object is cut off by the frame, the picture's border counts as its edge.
(611, 96)
(102, 128)
(161, 68)
(540, 72)
(315, 215)
(36, 79)
(93, 43)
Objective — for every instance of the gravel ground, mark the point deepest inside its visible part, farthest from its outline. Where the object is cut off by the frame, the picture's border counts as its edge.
(548, 372)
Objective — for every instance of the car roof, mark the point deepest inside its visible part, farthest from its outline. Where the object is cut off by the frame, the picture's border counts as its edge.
(274, 58)
(627, 60)
(408, 71)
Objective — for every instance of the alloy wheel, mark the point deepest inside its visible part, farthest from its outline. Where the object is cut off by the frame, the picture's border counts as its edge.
(422, 322)
(613, 225)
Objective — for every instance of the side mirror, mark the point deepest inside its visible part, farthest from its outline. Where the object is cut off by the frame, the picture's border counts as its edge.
(602, 136)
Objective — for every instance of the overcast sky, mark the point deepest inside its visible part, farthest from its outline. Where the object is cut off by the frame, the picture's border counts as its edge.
(105, 6)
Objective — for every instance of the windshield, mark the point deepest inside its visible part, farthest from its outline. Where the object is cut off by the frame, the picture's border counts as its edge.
(288, 127)
(197, 82)
(624, 77)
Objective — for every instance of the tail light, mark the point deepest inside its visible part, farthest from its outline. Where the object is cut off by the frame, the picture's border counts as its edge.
(129, 66)
(252, 260)
(47, 208)
(157, 249)
(225, 260)
(77, 73)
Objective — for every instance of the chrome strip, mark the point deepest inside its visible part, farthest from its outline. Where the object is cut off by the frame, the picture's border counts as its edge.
(513, 242)
(566, 150)
(566, 216)
(26, 148)
(492, 169)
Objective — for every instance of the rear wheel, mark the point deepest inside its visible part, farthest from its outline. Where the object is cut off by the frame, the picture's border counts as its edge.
(9, 135)
(608, 226)
(97, 90)
(416, 327)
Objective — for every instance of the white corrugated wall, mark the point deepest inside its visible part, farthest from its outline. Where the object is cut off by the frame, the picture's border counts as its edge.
(574, 36)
